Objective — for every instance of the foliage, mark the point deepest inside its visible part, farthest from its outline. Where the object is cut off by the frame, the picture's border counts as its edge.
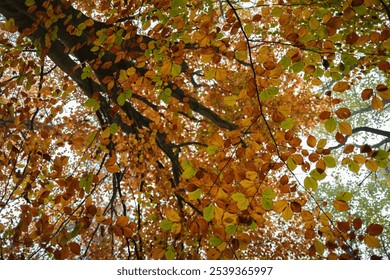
(186, 129)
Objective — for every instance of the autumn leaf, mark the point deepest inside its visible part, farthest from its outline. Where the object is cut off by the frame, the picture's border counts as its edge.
(111, 165)
(372, 241)
(173, 216)
(374, 229)
(208, 213)
(340, 205)
(122, 221)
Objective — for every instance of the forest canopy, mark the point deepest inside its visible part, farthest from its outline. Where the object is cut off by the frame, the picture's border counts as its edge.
(204, 129)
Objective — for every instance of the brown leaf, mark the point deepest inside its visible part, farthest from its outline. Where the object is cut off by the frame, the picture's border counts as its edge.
(367, 93)
(74, 248)
(374, 229)
(343, 113)
(343, 226)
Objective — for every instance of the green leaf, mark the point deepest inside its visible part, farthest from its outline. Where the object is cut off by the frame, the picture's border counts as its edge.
(231, 229)
(291, 164)
(267, 203)
(310, 183)
(165, 95)
(87, 72)
(344, 196)
(240, 55)
(242, 201)
(92, 103)
(238, 196)
(166, 225)
(210, 74)
(268, 193)
(176, 70)
(248, 28)
(317, 175)
(189, 171)
(123, 96)
(195, 194)
(353, 166)
(215, 241)
(277, 12)
(211, 150)
(85, 182)
(285, 62)
(29, 3)
(170, 253)
(288, 123)
(298, 66)
(330, 125)
(208, 212)
(114, 128)
(329, 161)
(381, 155)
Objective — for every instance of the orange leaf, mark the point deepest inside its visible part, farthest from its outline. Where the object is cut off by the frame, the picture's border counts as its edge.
(111, 165)
(311, 141)
(122, 221)
(341, 86)
(345, 128)
(340, 205)
(377, 104)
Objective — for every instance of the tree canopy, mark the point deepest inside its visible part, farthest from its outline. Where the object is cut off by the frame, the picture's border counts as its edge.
(180, 129)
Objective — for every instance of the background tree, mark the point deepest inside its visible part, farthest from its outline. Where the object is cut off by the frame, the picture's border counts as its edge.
(181, 129)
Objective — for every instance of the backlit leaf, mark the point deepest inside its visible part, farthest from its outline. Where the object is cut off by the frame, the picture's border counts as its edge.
(208, 212)
(340, 205)
(374, 229)
(372, 241)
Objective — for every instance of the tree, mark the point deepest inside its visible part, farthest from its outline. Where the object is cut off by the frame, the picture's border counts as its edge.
(181, 129)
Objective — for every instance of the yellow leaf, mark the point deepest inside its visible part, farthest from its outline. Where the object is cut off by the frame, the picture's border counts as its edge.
(176, 228)
(359, 159)
(319, 247)
(287, 213)
(372, 241)
(247, 183)
(106, 133)
(377, 104)
(230, 100)
(166, 68)
(220, 75)
(251, 175)
(372, 165)
(122, 221)
(280, 206)
(173, 216)
(345, 128)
